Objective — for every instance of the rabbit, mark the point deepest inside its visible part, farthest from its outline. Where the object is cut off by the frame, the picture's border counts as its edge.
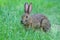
(34, 21)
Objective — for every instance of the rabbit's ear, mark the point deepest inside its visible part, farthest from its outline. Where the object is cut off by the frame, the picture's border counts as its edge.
(30, 7)
(26, 7)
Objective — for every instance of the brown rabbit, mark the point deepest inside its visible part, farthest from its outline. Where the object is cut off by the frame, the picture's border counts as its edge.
(35, 20)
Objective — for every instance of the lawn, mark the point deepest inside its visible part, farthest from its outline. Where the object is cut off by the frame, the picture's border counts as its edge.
(10, 16)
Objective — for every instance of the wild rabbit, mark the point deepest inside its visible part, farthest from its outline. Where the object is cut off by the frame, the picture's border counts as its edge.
(35, 20)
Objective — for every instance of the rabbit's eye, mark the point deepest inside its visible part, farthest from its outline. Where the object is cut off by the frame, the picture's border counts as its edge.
(26, 16)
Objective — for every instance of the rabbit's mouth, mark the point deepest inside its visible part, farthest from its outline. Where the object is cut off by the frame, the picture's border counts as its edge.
(24, 23)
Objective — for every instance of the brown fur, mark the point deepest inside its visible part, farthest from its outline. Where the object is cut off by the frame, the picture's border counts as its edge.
(36, 20)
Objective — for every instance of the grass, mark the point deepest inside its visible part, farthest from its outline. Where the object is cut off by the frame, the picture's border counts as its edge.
(10, 16)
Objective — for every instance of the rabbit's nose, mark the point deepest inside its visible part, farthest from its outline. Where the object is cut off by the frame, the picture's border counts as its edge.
(21, 22)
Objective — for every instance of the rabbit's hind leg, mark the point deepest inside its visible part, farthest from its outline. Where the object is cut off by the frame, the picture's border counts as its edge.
(45, 25)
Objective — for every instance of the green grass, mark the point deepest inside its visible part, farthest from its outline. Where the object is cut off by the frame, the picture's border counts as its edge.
(10, 16)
